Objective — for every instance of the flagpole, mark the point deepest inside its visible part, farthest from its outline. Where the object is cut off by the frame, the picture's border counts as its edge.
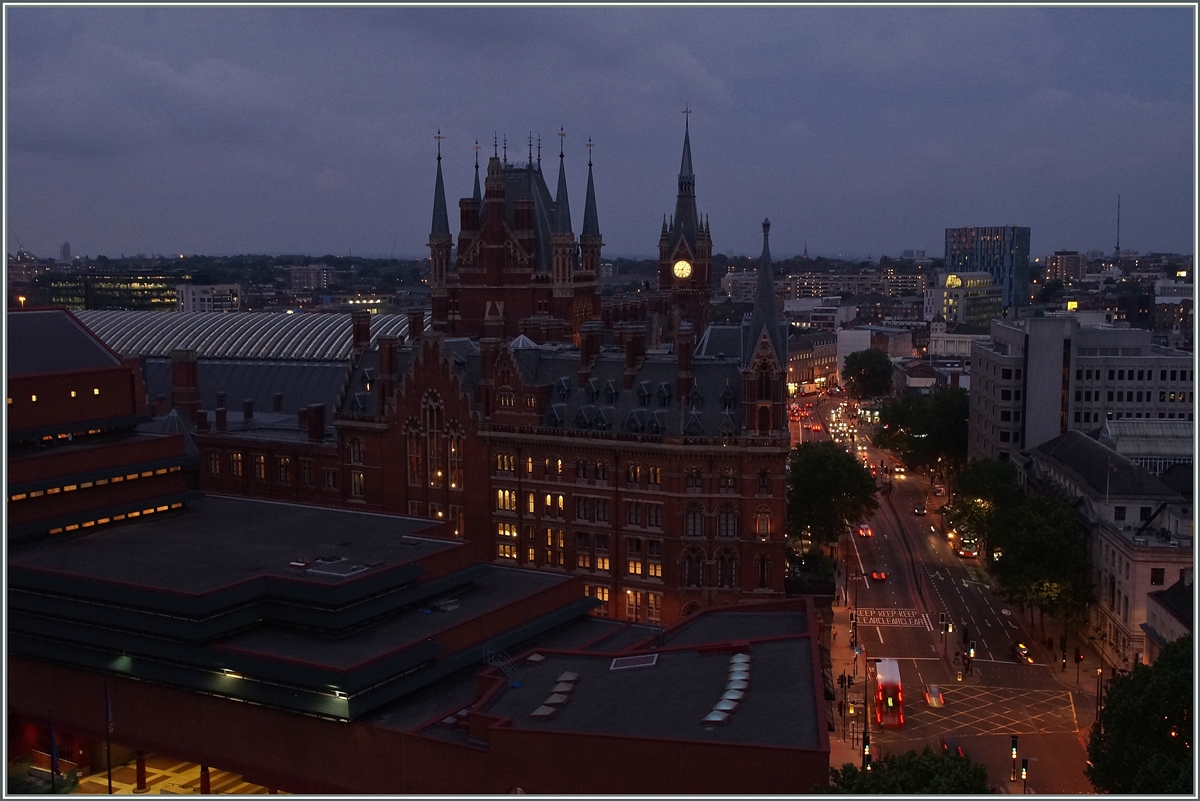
(108, 735)
(53, 754)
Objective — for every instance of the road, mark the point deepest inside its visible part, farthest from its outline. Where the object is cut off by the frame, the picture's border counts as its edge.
(899, 618)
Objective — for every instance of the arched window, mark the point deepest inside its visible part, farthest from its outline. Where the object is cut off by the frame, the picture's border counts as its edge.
(416, 454)
(764, 420)
(456, 456)
(727, 569)
(762, 522)
(763, 571)
(356, 451)
(728, 480)
(435, 438)
(693, 521)
(693, 569)
(764, 386)
(727, 521)
(693, 479)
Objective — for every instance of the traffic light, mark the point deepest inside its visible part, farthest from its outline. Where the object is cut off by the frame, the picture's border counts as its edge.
(971, 653)
(942, 620)
(1014, 746)
(1078, 654)
(867, 745)
(1024, 769)
(842, 680)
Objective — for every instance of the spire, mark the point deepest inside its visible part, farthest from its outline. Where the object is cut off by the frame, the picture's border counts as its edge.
(441, 220)
(477, 197)
(764, 315)
(591, 225)
(686, 222)
(562, 208)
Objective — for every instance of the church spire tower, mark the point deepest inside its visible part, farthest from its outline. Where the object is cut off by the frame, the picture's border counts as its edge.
(590, 241)
(564, 253)
(764, 356)
(440, 241)
(685, 249)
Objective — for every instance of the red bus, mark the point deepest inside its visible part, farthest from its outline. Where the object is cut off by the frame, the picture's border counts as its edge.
(889, 695)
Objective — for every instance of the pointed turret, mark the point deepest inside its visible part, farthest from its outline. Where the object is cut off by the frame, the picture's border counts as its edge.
(562, 208)
(441, 220)
(686, 223)
(591, 224)
(765, 314)
(477, 197)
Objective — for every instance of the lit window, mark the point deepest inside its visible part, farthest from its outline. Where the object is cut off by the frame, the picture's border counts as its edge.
(73, 393)
(95, 390)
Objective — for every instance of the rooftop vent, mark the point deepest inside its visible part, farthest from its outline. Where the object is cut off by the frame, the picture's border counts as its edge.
(626, 662)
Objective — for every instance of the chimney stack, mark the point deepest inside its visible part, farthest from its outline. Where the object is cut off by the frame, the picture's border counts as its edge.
(360, 328)
(302, 417)
(277, 402)
(590, 337)
(185, 387)
(220, 399)
(316, 422)
(635, 350)
(200, 418)
(222, 421)
(416, 325)
(248, 410)
(683, 377)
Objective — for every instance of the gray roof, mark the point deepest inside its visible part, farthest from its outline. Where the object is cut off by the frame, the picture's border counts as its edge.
(302, 383)
(671, 698)
(562, 206)
(686, 222)
(1104, 470)
(1150, 438)
(52, 341)
(1178, 599)
(243, 335)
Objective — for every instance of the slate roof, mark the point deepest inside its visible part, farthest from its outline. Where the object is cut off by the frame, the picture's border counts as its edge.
(52, 341)
(1178, 599)
(302, 383)
(686, 222)
(244, 335)
(1148, 438)
(1103, 469)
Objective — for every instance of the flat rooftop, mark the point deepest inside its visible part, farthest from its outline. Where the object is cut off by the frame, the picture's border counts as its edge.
(671, 698)
(490, 589)
(218, 541)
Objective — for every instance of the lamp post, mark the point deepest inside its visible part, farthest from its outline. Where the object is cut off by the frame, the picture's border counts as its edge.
(869, 697)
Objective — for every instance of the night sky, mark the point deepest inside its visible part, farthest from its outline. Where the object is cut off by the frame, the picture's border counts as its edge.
(857, 131)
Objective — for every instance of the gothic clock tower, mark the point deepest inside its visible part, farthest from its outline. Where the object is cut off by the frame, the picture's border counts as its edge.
(685, 252)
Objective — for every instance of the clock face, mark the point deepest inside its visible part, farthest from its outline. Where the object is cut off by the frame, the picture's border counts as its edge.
(683, 268)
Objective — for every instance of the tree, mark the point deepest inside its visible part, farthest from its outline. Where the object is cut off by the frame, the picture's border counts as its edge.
(924, 773)
(1144, 743)
(868, 373)
(827, 490)
(926, 429)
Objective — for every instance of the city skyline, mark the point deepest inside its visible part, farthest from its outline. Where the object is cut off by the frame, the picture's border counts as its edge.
(858, 131)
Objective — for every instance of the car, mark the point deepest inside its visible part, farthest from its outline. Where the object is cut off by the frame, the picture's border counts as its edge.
(878, 575)
(1021, 653)
(919, 509)
(898, 469)
(933, 696)
(865, 531)
(952, 747)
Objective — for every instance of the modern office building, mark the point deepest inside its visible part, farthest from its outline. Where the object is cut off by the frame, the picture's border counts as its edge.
(1040, 377)
(221, 298)
(1002, 251)
(125, 290)
(310, 277)
(969, 298)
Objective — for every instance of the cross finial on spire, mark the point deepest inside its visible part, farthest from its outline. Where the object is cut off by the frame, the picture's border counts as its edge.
(506, 148)
(589, 147)
(539, 149)
(687, 113)
(531, 147)
(438, 138)
(495, 144)
(476, 149)
(562, 135)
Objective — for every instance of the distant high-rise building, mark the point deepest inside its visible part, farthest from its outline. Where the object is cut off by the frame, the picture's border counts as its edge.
(64, 253)
(208, 298)
(971, 298)
(1002, 251)
(312, 276)
(1065, 265)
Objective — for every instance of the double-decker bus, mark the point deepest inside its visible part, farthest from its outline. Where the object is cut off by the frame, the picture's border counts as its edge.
(967, 546)
(889, 695)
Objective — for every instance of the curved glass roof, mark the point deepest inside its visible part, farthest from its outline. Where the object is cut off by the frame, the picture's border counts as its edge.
(244, 335)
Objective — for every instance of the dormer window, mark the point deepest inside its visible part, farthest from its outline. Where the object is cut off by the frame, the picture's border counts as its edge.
(592, 391)
(563, 388)
(664, 396)
(610, 393)
(643, 394)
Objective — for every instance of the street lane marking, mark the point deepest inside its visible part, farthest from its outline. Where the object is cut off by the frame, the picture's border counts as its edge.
(890, 617)
(879, 633)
